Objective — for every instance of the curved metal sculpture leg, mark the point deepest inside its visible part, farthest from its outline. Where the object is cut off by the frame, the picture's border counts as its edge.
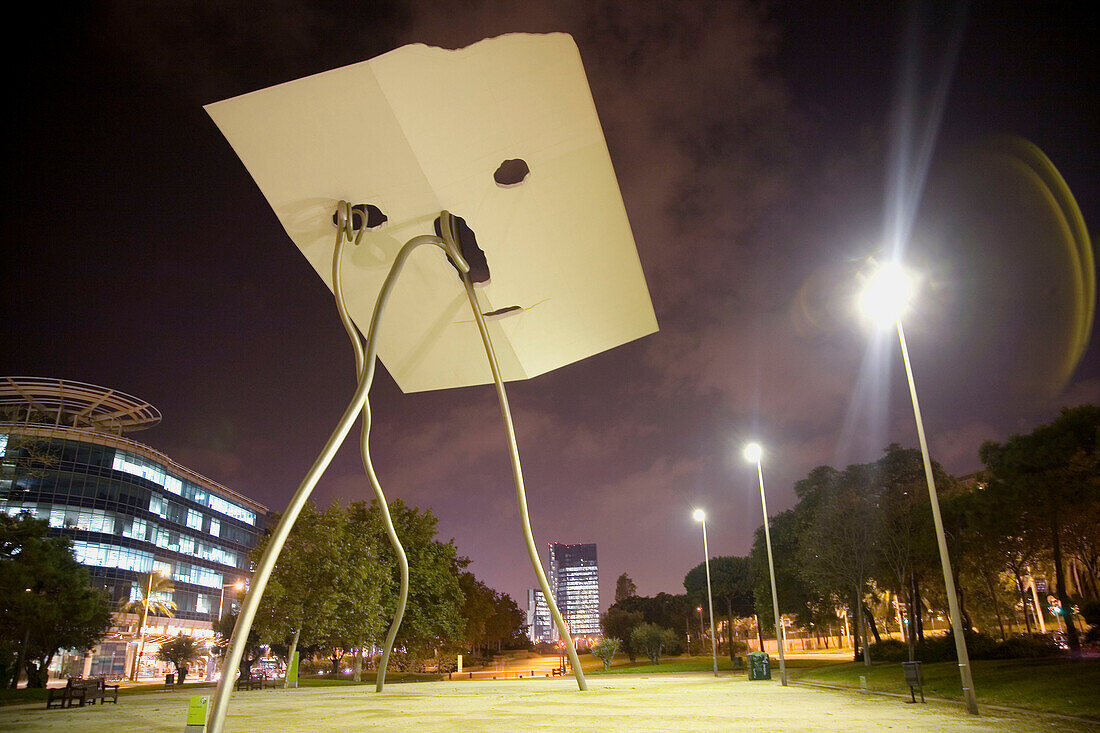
(344, 227)
(278, 537)
(450, 237)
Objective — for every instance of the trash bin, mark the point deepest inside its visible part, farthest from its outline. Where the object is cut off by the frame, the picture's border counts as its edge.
(760, 666)
(170, 679)
(914, 678)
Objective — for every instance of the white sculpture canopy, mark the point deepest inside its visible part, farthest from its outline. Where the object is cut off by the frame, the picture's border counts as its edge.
(420, 130)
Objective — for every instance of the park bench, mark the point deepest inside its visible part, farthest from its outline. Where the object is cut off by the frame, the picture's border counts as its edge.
(67, 696)
(82, 692)
(98, 689)
(257, 683)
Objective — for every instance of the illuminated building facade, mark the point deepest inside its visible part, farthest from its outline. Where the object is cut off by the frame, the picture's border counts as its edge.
(575, 583)
(540, 626)
(128, 509)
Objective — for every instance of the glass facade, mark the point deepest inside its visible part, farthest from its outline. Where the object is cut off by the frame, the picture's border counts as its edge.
(130, 510)
(575, 583)
(540, 626)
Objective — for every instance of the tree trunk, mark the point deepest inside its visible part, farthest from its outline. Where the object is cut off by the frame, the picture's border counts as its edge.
(857, 628)
(358, 664)
(1067, 608)
(911, 612)
(872, 624)
(19, 661)
(1027, 601)
(996, 606)
(729, 625)
(918, 609)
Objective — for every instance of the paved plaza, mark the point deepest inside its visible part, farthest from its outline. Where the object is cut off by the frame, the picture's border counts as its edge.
(613, 703)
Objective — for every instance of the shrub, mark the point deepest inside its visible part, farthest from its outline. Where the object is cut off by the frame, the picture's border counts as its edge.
(1025, 646)
(605, 651)
(890, 650)
(1091, 613)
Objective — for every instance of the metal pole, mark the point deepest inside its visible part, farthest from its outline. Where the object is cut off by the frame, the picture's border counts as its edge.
(517, 479)
(771, 572)
(941, 540)
(710, 603)
(220, 704)
(141, 629)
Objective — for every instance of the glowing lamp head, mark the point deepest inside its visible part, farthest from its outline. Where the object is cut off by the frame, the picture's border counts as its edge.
(753, 452)
(886, 294)
(239, 585)
(699, 515)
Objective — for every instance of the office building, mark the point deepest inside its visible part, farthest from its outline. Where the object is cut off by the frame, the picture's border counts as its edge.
(540, 626)
(129, 509)
(575, 583)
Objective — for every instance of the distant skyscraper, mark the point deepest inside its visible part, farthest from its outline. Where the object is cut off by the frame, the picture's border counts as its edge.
(540, 627)
(575, 583)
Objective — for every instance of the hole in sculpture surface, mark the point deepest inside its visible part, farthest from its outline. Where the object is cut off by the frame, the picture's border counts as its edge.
(471, 252)
(373, 215)
(511, 173)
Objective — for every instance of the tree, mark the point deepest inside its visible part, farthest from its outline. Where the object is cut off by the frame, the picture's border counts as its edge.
(307, 586)
(904, 538)
(476, 610)
(223, 632)
(624, 588)
(731, 587)
(651, 639)
(182, 652)
(1051, 472)
(618, 623)
(155, 591)
(47, 602)
(835, 553)
(158, 590)
(604, 650)
(432, 618)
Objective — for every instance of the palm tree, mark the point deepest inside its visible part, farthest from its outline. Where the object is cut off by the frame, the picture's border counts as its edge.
(181, 651)
(155, 585)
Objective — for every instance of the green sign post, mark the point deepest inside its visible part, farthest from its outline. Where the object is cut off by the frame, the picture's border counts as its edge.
(196, 714)
(292, 673)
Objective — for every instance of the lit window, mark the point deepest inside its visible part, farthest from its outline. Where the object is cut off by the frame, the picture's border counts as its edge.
(173, 484)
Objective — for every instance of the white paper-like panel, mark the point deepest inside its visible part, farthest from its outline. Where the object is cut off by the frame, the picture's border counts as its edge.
(419, 130)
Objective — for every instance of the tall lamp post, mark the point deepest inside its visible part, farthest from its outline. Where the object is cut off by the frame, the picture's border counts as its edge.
(753, 453)
(141, 629)
(701, 517)
(884, 299)
(238, 586)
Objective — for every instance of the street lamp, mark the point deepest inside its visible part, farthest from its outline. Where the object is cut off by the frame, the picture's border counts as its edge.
(753, 454)
(701, 517)
(141, 629)
(883, 300)
(239, 586)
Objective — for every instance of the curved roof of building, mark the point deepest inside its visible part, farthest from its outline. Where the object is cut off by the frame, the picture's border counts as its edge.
(60, 402)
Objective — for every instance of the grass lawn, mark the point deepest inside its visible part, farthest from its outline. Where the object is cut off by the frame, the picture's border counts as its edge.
(1053, 685)
(679, 665)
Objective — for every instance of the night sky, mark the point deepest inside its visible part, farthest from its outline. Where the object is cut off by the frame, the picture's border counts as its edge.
(761, 151)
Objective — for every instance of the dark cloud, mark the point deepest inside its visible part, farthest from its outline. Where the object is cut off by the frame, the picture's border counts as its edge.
(750, 142)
